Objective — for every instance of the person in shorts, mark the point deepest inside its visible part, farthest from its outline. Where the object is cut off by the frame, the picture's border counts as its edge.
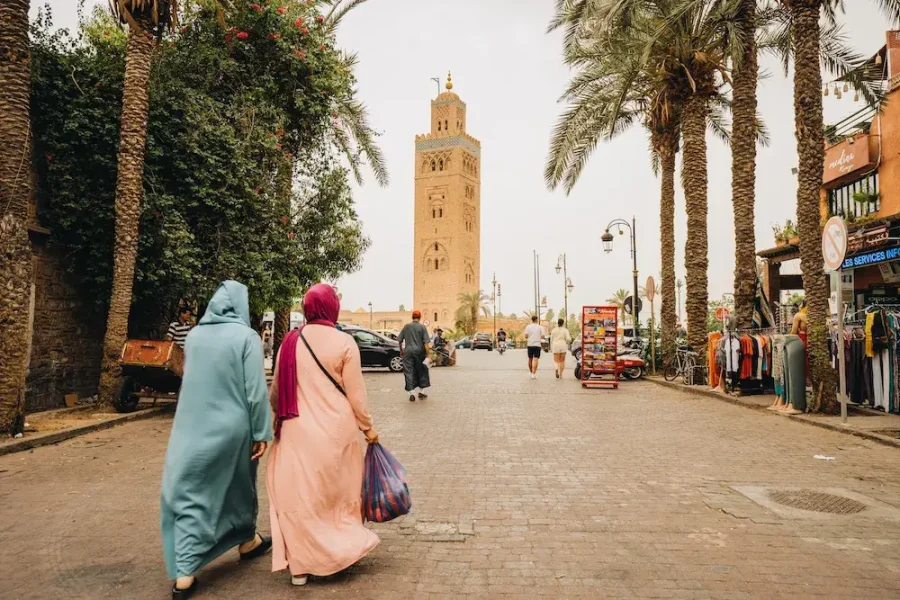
(534, 333)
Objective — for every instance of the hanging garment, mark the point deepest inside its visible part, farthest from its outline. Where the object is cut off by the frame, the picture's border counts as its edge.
(731, 345)
(855, 370)
(870, 350)
(881, 377)
(879, 331)
(795, 376)
(746, 357)
(778, 365)
(716, 358)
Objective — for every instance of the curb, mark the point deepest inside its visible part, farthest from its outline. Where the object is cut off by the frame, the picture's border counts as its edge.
(66, 434)
(874, 437)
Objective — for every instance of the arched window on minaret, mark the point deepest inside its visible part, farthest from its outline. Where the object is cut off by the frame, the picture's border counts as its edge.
(446, 126)
(441, 163)
(437, 264)
(436, 247)
(439, 125)
(433, 167)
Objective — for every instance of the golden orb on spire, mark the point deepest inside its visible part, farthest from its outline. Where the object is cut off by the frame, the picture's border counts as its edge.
(449, 85)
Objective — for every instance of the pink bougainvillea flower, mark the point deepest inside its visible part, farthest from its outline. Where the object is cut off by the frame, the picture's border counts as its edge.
(304, 31)
(281, 10)
(320, 19)
(243, 35)
(298, 23)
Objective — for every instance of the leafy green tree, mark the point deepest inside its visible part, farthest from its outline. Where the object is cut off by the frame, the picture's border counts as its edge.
(471, 305)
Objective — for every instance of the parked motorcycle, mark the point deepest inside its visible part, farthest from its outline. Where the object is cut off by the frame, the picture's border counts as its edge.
(629, 361)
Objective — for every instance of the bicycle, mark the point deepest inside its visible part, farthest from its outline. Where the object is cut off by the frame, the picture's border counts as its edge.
(683, 365)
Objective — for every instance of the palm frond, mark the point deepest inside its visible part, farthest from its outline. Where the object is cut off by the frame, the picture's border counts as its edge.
(338, 10)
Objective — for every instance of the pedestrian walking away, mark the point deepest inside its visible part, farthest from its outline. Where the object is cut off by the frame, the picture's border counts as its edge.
(534, 334)
(414, 350)
(560, 338)
(315, 468)
(208, 503)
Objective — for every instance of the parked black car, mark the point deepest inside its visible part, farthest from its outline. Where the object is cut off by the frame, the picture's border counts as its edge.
(483, 341)
(466, 342)
(375, 350)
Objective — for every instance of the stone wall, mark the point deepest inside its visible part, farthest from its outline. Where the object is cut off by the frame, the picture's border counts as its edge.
(65, 345)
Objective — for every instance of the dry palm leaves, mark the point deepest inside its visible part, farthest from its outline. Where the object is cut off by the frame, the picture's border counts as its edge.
(151, 15)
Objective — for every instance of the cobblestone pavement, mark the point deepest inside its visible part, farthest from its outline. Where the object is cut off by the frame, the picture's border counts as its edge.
(520, 489)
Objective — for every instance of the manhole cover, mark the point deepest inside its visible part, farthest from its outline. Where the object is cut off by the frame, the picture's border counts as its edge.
(817, 502)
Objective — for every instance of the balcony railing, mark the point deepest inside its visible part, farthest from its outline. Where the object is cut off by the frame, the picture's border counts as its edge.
(842, 203)
(858, 122)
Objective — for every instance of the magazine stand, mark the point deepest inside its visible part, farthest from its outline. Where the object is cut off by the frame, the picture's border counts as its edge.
(599, 346)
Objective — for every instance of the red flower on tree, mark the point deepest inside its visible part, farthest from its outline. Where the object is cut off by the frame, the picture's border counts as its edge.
(284, 220)
(304, 31)
(320, 19)
(300, 54)
(256, 7)
(298, 23)
(323, 47)
(274, 36)
(243, 35)
(292, 235)
(227, 37)
(281, 10)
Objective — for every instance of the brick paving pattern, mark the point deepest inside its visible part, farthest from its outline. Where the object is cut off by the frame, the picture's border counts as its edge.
(520, 489)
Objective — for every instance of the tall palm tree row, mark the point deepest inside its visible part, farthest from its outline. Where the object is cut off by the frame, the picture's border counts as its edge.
(145, 18)
(471, 305)
(15, 199)
(666, 148)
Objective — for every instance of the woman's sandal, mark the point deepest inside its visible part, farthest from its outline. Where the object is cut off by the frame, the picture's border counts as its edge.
(265, 544)
(299, 579)
(186, 593)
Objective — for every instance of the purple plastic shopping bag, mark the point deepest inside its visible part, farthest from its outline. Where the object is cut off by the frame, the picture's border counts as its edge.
(385, 489)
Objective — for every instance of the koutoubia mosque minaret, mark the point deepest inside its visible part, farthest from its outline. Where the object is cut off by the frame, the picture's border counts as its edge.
(448, 211)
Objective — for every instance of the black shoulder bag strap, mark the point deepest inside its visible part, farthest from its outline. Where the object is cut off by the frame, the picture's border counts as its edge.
(327, 374)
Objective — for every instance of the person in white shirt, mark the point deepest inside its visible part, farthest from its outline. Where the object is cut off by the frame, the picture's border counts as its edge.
(534, 333)
(560, 338)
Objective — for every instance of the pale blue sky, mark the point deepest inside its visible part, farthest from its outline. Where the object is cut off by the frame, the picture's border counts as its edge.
(510, 74)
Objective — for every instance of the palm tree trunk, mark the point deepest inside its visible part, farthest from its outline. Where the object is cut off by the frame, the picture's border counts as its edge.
(281, 326)
(15, 200)
(808, 120)
(667, 148)
(696, 249)
(743, 171)
(129, 197)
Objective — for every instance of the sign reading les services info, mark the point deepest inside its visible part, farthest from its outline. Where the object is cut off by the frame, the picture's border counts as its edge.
(872, 258)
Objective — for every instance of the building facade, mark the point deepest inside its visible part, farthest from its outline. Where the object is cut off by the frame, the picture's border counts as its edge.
(861, 184)
(447, 251)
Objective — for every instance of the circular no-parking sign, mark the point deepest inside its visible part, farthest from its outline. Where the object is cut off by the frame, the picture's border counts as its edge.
(834, 243)
(427, 323)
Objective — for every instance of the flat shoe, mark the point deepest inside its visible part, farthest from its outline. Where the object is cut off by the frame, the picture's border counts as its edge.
(423, 396)
(299, 579)
(412, 398)
(185, 593)
(264, 546)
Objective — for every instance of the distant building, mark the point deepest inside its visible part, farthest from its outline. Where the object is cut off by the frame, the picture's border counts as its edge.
(447, 212)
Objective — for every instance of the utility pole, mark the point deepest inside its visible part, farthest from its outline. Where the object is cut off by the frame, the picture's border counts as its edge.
(494, 300)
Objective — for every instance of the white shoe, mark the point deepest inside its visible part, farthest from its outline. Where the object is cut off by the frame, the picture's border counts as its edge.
(533, 376)
(299, 579)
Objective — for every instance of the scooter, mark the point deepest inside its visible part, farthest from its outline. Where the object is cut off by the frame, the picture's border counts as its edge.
(629, 364)
(501, 348)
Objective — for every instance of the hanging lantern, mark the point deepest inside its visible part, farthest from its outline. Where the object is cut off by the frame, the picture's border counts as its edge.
(846, 87)
(825, 93)
(878, 60)
(856, 96)
(837, 93)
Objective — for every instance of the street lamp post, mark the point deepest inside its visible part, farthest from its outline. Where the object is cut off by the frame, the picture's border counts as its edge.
(679, 285)
(370, 315)
(607, 239)
(567, 284)
(494, 300)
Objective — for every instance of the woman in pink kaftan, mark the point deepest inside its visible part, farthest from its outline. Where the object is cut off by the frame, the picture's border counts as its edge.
(315, 467)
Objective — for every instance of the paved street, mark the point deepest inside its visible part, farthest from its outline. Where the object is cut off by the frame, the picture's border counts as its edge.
(520, 488)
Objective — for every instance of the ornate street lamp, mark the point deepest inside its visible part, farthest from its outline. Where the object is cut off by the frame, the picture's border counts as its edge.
(607, 239)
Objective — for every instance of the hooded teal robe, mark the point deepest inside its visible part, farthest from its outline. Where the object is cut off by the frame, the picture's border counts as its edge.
(208, 503)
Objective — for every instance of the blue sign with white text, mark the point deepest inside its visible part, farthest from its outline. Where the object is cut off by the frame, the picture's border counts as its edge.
(872, 258)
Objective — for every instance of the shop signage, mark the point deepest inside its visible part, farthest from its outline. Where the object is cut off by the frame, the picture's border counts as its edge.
(867, 239)
(834, 243)
(845, 158)
(872, 258)
(881, 299)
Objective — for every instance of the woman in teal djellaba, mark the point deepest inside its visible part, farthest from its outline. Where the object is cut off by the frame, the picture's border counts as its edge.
(221, 429)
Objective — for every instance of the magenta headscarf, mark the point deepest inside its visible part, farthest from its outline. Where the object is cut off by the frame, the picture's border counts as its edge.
(321, 306)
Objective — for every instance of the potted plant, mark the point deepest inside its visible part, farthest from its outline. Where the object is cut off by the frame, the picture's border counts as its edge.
(865, 195)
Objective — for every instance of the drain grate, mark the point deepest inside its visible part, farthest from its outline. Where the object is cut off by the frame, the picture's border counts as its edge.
(817, 502)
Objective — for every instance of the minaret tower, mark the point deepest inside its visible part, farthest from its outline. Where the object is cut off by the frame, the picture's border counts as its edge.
(447, 212)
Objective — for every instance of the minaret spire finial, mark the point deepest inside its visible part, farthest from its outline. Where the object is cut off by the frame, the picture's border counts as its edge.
(449, 85)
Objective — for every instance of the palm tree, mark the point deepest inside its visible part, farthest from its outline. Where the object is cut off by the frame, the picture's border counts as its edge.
(15, 200)
(618, 300)
(145, 19)
(470, 306)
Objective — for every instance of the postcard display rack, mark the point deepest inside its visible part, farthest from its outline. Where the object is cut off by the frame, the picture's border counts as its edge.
(599, 344)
